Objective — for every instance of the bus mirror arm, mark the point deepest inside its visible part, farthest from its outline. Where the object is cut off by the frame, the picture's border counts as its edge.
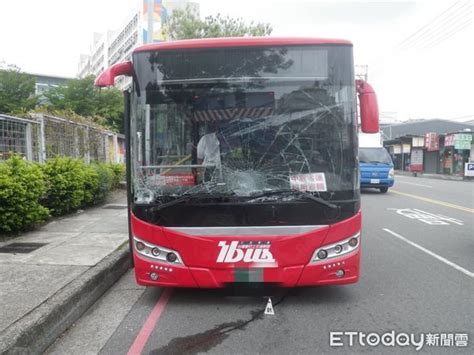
(369, 110)
(107, 77)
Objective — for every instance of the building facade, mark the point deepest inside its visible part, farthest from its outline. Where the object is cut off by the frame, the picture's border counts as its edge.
(45, 82)
(98, 57)
(145, 23)
(431, 146)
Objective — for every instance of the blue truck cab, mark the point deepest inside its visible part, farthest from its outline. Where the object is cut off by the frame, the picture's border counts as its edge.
(376, 168)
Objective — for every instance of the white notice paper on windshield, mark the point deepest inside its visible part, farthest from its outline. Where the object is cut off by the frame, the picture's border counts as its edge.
(308, 182)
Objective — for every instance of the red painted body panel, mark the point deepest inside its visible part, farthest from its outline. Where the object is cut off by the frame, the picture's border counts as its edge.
(107, 77)
(291, 252)
(369, 109)
(325, 273)
(238, 42)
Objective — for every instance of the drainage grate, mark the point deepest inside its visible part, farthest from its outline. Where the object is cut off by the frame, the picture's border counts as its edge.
(21, 248)
(115, 207)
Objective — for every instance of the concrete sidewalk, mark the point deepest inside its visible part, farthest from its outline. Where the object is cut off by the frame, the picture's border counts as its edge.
(43, 291)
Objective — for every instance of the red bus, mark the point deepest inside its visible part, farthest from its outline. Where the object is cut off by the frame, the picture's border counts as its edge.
(242, 161)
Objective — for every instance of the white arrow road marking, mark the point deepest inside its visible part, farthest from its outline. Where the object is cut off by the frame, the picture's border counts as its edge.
(429, 252)
(426, 217)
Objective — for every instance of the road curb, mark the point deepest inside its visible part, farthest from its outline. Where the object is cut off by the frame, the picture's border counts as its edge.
(37, 330)
(433, 176)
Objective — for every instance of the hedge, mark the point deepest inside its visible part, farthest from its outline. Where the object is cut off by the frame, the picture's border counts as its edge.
(119, 173)
(30, 192)
(22, 186)
(65, 178)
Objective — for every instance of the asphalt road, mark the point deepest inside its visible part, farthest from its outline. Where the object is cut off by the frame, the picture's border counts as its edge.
(417, 277)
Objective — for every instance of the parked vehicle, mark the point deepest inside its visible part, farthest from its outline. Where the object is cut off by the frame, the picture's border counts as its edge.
(376, 168)
(242, 161)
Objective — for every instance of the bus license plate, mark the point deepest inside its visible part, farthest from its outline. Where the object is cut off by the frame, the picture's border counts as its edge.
(375, 181)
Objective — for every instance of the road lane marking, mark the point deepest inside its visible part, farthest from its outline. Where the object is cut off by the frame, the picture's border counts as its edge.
(429, 252)
(413, 183)
(150, 323)
(427, 217)
(436, 202)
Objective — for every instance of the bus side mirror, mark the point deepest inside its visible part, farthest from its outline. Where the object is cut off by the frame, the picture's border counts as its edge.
(369, 109)
(107, 77)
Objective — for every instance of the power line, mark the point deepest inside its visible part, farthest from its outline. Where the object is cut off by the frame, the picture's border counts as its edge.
(452, 20)
(446, 15)
(439, 31)
(459, 28)
(423, 28)
(452, 10)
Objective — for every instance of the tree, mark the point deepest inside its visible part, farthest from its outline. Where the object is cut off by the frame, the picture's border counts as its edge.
(186, 24)
(80, 95)
(83, 98)
(77, 95)
(109, 103)
(17, 91)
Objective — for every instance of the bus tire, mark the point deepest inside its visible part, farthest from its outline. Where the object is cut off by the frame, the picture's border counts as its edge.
(383, 189)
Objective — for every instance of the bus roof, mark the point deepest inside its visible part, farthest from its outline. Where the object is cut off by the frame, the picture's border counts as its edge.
(238, 42)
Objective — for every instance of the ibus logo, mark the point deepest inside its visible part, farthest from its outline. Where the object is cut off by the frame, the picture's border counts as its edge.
(246, 251)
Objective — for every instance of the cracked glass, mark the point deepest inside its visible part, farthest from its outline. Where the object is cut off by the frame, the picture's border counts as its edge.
(242, 122)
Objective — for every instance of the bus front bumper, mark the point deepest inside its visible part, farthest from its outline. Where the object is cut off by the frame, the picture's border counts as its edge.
(336, 271)
(209, 261)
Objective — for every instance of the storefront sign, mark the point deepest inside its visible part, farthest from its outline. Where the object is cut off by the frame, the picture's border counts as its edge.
(449, 140)
(462, 141)
(431, 141)
(406, 148)
(416, 161)
(397, 149)
(417, 142)
(462, 145)
(469, 169)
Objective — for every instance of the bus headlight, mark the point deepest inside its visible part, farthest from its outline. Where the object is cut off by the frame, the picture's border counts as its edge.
(157, 252)
(391, 173)
(337, 249)
(322, 254)
(171, 257)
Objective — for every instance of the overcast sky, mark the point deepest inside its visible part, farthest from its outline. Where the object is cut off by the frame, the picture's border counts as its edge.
(429, 75)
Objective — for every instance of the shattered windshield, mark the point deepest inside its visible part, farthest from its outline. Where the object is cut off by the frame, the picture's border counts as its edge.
(243, 121)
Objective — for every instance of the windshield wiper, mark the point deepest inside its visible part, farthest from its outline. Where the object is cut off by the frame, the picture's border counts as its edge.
(200, 196)
(185, 198)
(302, 194)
